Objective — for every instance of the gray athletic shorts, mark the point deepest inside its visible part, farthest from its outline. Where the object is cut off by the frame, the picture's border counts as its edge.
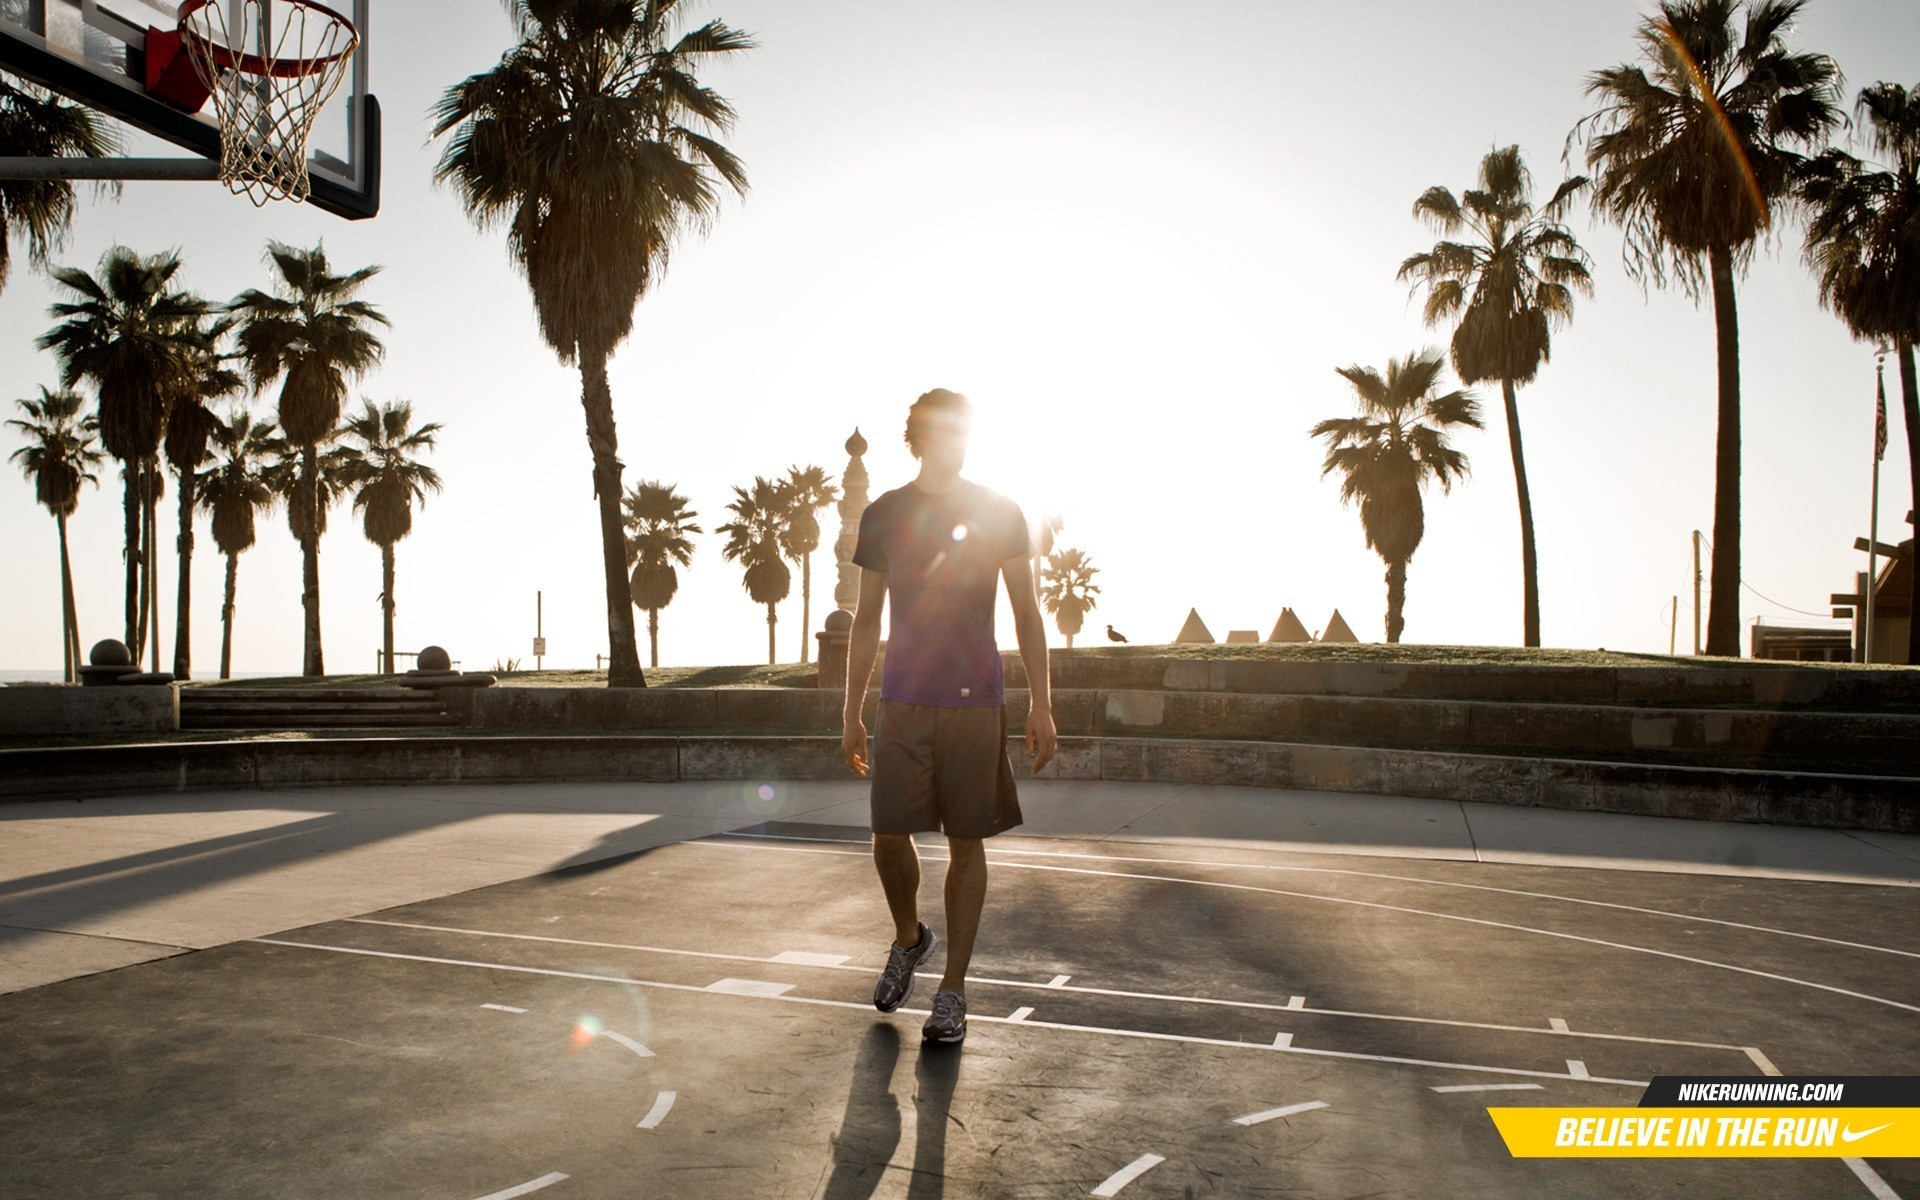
(942, 768)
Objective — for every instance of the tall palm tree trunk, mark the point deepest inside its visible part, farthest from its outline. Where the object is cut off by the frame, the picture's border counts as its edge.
(313, 661)
(67, 656)
(1723, 609)
(1910, 407)
(623, 652)
(806, 601)
(771, 659)
(1529, 565)
(653, 635)
(1396, 600)
(226, 618)
(130, 473)
(183, 601)
(386, 601)
(150, 622)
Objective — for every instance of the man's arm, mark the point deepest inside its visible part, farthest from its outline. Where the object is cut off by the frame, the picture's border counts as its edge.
(1031, 630)
(862, 648)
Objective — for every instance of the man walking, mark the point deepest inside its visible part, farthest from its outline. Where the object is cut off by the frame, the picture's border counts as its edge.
(935, 549)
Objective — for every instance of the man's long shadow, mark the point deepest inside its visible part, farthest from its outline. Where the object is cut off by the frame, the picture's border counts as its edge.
(870, 1129)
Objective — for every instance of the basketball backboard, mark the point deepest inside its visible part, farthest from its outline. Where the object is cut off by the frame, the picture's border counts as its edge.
(94, 52)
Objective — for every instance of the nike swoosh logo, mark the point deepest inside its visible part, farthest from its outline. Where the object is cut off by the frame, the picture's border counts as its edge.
(1848, 1135)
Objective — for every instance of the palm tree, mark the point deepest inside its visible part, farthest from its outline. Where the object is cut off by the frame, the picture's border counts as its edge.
(1068, 590)
(1693, 155)
(1388, 453)
(35, 124)
(807, 490)
(754, 541)
(590, 142)
(59, 456)
(388, 477)
(137, 339)
(1509, 283)
(657, 523)
(233, 489)
(313, 332)
(190, 426)
(1863, 240)
(287, 476)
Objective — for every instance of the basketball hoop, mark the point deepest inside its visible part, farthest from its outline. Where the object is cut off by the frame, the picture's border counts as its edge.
(269, 74)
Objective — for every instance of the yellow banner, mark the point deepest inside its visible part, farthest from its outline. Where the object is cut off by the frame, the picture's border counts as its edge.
(1799, 1131)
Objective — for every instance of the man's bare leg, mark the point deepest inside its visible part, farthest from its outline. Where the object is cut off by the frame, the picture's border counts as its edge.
(966, 894)
(898, 862)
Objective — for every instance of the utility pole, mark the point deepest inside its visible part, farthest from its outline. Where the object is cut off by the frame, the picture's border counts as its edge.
(1673, 626)
(1696, 593)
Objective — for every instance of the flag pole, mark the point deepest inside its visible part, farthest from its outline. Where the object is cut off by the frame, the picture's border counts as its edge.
(1873, 520)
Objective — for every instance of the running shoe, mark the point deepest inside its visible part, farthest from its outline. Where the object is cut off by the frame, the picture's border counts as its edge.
(948, 1023)
(896, 982)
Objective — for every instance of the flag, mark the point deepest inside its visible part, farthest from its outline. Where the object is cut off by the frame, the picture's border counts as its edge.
(1880, 418)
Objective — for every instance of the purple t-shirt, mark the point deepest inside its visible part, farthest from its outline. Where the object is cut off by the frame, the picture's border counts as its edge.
(942, 555)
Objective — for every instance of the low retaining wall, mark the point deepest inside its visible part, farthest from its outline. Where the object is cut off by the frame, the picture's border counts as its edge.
(1737, 682)
(1845, 742)
(42, 710)
(1785, 798)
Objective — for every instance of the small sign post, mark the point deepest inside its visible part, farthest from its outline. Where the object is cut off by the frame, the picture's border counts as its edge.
(539, 642)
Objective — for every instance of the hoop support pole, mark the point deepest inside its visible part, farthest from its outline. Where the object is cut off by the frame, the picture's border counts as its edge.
(194, 169)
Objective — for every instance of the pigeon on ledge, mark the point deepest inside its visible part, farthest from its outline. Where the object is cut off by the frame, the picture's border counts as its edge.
(1115, 637)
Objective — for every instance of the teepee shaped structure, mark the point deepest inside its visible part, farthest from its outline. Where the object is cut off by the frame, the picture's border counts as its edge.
(1195, 630)
(1289, 629)
(1338, 630)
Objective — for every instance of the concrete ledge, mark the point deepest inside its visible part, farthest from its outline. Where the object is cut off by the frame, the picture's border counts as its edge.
(1741, 683)
(1875, 803)
(39, 710)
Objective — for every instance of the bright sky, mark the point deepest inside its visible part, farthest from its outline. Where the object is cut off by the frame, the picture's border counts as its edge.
(1141, 238)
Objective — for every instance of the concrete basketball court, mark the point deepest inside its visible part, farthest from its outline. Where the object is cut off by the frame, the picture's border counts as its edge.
(664, 991)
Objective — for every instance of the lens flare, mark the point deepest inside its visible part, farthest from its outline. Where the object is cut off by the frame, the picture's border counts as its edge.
(766, 791)
(585, 1030)
(1704, 87)
(959, 533)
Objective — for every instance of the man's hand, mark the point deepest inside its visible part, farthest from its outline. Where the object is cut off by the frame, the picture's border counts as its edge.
(1042, 740)
(853, 745)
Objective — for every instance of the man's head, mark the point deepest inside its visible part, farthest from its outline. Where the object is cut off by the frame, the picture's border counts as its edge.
(937, 428)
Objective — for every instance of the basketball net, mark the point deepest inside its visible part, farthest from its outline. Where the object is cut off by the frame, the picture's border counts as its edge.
(269, 75)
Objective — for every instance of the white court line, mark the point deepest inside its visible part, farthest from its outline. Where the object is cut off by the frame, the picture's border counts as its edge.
(859, 1006)
(1021, 1013)
(748, 987)
(1058, 983)
(1577, 1069)
(1276, 1113)
(662, 1105)
(626, 1041)
(1127, 1174)
(531, 1185)
(1488, 1087)
(807, 958)
(1760, 1060)
(1475, 887)
(1420, 912)
(1557, 1024)
(1871, 1178)
(1282, 1040)
(1296, 1001)
(503, 1008)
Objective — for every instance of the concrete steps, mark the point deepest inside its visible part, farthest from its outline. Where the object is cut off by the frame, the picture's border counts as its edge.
(311, 709)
